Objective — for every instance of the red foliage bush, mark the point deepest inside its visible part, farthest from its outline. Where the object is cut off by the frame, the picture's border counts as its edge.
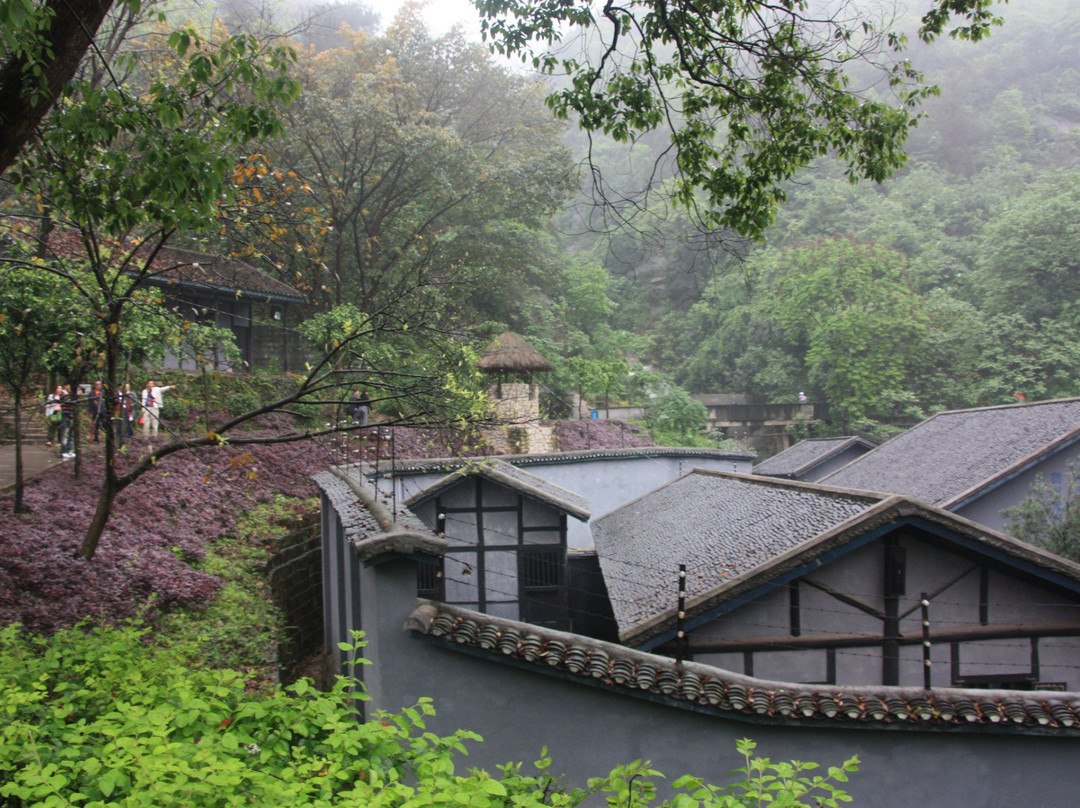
(164, 520)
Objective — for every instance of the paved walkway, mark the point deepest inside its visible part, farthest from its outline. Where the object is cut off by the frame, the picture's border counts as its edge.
(36, 458)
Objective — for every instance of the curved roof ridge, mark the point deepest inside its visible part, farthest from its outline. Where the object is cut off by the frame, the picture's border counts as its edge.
(704, 688)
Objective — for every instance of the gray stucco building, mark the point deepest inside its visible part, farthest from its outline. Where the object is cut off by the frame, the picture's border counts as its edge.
(973, 462)
(606, 478)
(595, 704)
(808, 583)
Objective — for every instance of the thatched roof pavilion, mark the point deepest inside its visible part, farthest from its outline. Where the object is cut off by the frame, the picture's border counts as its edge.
(510, 353)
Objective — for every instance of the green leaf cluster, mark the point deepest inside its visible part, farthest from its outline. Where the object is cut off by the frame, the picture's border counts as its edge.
(748, 93)
(1049, 517)
(96, 717)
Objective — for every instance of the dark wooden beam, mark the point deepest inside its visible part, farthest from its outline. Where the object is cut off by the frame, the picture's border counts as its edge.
(864, 639)
(862, 606)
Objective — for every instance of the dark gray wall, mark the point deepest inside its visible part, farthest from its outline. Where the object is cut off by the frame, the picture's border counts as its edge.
(294, 573)
(931, 564)
(986, 510)
(587, 730)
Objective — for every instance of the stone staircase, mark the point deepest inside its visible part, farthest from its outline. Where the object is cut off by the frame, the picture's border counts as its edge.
(32, 420)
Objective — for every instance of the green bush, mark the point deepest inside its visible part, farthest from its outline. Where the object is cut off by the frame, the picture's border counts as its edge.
(96, 718)
(675, 419)
(100, 717)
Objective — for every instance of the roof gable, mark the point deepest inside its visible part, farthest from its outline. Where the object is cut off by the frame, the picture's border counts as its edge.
(721, 525)
(740, 536)
(955, 455)
(804, 455)
(516, 479)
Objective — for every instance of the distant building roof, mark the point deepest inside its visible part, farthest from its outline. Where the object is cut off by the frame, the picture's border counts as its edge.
(737, 532)
(512, 352)
(952, 457)
(710, 690)
(173, 266)
(196, 270)
(511, 477)
(801, 458)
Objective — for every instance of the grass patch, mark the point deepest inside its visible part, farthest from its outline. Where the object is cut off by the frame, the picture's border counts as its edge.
(240, 627)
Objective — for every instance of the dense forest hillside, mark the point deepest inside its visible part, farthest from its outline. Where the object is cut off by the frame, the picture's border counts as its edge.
(953, 284)
(417, 178)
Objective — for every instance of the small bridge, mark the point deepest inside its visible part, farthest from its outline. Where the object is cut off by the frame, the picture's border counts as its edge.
(761, 425)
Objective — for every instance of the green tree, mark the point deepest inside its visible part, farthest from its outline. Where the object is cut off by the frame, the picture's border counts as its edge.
(41, 48)
(850, 304)
(1049, 517)
(748, 93)
(125, 171)
(412, 161)
(28, 327)
(1029, 261)
(673, 417)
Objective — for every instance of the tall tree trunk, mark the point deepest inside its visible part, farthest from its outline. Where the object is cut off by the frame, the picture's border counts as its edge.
(110, 487)
(110, 481)
(25, 99)
(20, 482)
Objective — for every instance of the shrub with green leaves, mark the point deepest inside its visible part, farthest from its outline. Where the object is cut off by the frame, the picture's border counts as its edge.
(101, 717)
(758, 782)
(96, 717)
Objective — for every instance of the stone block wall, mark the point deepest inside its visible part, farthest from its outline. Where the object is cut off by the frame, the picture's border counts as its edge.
(294, 574)
(517, 406)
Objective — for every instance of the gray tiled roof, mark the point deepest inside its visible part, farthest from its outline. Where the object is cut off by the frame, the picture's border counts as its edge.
(371, 525)
(720, 525)
(448, 464)
(515, 479)
(806, 454)
(710, 690)
(952, 455)
(229, 275)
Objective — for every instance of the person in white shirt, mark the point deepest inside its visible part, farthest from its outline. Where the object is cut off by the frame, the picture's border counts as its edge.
(152, 400)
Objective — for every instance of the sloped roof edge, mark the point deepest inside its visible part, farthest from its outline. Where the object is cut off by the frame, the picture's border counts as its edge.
(383, 532)
(776, 482)
(882, 510)
(1019, 467)
(840, 445)
(974, 491)
(448, 464)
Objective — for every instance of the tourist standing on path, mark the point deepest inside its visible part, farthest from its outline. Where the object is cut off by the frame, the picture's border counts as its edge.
(364, 408)
(98, 405)
(53, 416)
(67, 424)
(152, 400)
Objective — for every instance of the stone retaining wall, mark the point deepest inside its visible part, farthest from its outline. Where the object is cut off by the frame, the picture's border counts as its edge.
(294, 574)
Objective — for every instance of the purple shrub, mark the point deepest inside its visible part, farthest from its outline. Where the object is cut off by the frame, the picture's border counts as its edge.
(165, 519)
(585, 434)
